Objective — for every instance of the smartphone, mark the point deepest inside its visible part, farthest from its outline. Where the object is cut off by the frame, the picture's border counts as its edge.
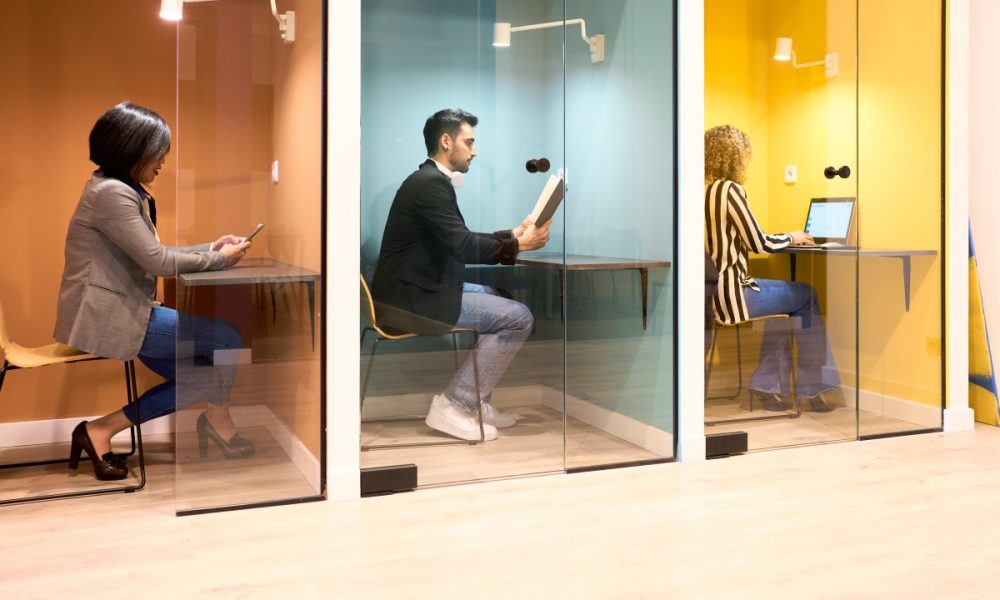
(255, 232)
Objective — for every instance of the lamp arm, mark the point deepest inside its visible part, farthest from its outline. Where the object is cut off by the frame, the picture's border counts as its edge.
(282, 24)
(549, 25)
(795, 63)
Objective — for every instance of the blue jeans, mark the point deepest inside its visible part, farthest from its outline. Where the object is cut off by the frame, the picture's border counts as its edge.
(772, 375)
(503, 325)
(186, 343)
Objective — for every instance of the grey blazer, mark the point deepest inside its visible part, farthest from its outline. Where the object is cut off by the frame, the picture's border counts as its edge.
(113, 258)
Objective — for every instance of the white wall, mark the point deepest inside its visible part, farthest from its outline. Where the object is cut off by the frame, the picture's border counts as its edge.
(984, 154)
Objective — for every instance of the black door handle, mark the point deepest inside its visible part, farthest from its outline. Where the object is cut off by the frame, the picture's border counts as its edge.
(832, 172)
(537, 165)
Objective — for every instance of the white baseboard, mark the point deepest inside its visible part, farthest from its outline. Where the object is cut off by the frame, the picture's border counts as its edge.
(378, 407)
(27, 433)
(53, 431)
(636, 432)
(959, 419)
(894, 408)
(620, 426)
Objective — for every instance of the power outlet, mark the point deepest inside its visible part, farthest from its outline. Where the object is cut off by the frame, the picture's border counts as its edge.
(791, 174)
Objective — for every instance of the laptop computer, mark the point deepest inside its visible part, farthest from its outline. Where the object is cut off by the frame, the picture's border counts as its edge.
(829, 222)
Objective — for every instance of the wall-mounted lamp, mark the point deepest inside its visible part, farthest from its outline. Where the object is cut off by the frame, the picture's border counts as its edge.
(502, 31)
(783, 53)
(173, 10)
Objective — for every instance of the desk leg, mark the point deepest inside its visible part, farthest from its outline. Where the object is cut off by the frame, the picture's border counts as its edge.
(644, 279)
(906, 281)
(311, 287)
(791, 267)
(562, 299)
(274, 304)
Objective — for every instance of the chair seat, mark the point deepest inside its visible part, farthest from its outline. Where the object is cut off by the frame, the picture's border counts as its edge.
(52, 354)
(750, 320)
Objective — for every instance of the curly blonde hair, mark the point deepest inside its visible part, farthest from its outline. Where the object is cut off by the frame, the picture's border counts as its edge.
(727, 153)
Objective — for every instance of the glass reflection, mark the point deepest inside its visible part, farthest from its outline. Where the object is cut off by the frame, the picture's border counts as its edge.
(250, 153)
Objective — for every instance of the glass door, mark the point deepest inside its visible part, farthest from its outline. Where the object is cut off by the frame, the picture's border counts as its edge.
(618, 233)
(782, 121)
(425, 282)
(900, 301)
(249, 392)
(573, 111)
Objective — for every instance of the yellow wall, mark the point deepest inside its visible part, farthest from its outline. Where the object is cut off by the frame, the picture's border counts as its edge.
(883, 121)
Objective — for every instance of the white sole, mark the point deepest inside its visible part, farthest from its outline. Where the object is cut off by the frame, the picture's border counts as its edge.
(444, 426)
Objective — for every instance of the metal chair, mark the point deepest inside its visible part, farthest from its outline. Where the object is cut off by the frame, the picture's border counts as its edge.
(19, 357)
(380, 336)
(739, 367)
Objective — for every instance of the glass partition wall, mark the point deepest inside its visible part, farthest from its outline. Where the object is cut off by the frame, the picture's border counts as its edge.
(249, 147)
(577, 91)
(832, 104)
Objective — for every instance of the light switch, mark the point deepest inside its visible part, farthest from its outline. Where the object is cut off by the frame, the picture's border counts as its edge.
(274, 172)
(791, 174)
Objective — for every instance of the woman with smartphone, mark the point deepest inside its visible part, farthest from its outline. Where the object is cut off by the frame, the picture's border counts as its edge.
(107, 304)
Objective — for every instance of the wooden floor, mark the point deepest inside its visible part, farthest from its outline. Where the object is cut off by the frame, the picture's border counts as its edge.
(910, 517)
(536, 444)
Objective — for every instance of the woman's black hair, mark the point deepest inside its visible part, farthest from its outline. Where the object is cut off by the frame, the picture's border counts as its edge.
(126, 137)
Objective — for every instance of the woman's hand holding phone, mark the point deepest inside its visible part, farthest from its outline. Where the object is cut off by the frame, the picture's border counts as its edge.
(234, 252)
(224, 240)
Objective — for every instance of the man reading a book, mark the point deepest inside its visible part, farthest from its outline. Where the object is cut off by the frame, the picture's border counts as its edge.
(418, 285)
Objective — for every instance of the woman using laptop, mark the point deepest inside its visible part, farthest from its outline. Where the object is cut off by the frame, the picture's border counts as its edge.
(732, 232)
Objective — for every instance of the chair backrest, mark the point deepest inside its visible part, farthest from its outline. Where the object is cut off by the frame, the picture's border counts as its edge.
(369, 307)
(4, 338)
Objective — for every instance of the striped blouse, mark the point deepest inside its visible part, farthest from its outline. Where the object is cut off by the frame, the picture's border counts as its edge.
(731, 233)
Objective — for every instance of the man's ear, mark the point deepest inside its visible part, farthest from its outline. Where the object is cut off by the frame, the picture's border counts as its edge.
(444, 142)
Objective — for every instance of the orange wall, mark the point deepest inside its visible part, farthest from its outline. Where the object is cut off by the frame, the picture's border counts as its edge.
(67, 63)
(245, 99)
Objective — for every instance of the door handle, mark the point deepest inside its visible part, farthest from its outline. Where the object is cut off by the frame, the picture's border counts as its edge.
(831, 172)
(537, 165)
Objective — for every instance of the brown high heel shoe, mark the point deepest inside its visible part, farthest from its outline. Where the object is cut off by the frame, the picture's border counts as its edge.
(106, 468)
(770, 402)
(235, 447)
(820, 404)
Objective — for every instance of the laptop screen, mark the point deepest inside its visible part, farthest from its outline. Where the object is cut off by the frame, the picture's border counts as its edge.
(830, 218)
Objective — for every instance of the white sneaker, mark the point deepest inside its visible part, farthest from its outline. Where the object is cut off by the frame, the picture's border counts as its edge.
(494, 417)
(447, 417)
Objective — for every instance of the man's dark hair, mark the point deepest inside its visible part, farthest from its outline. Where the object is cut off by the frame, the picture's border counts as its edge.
(445, 121)
(125, 137)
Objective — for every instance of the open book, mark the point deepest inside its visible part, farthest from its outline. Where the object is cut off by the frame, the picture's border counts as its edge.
(548, 201)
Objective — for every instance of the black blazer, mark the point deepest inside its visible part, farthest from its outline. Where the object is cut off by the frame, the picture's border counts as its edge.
(425, 247)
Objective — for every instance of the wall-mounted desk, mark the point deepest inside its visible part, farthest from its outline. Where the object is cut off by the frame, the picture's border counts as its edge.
(581, 262)
(250, 271)
(903, 255)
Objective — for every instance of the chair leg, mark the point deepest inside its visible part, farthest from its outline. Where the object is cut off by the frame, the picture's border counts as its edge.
(368, 371)
(475, 376)
(711, 357)
(133, 398)
(739, 368)
(791, 368)
(454, 348)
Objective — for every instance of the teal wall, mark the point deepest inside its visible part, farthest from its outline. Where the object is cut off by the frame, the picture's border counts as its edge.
(610, 124)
